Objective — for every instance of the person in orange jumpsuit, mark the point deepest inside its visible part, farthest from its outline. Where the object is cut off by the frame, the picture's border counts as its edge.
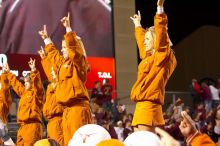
(72, 69)
(30, 104)
(51, 109)
(5, 98)
(158, 63)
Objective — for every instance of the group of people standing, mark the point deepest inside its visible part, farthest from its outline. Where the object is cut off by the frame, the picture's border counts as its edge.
(66, 105)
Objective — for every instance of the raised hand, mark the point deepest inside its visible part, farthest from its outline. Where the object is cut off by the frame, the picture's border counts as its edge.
(41, 52)
(136, 19)
(66, 20)
(43, 33)
(31, 64)
(5, 68)
(160, 3)
(166, 139)
(187, 125)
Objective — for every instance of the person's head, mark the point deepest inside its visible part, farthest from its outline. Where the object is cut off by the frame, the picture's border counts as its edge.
(149, 40)
(179, 102)
(119, 124)
(187, 109)
(127, 123)
(194, 80)
(90, 135)
(200, 106)
(121, 108)
(97, 84)
(141, 138)
(64, 50)
(27, 82)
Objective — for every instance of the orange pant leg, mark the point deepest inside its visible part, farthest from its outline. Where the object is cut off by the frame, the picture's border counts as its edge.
(28, 134)
(74, 118)
(55, 130)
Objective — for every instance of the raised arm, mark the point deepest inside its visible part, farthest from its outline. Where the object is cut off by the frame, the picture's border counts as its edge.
(72, 43)
(50, 50)
(35, 78)
(76, 49)
(139, 34)
(45, 62)
(5, 91)
(160, 24)
(13, 81)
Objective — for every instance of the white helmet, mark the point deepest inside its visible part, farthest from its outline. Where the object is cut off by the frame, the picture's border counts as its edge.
(89, 135)
(141, 138)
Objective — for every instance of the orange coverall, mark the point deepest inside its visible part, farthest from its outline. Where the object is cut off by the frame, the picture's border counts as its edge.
(71, 91)
(29, 109)
(153, 74)
(51, 109)
(5, 99)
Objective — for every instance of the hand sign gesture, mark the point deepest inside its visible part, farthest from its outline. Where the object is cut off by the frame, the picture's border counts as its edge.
(31, 64)
(5, 68)
(43, 33)
(187, 125)
(41, 52)
(136, 19)
(66, 20)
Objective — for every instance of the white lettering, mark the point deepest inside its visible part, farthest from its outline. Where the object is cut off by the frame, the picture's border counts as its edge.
(106, 75)
(3, 59)
(15, 72)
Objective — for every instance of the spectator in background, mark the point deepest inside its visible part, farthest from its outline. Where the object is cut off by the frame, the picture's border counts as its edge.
(127, 129)
(206, 96)
(107, 94)
(195, 92)
(109, 127)
(215, 95)
(200, 115)
(217, 123)
(119, 129)
(97, 94)
(218, 84)
(178, 108)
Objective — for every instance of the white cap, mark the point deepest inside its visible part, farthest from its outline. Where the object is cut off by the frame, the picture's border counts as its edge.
(89, 135)
(141, 138)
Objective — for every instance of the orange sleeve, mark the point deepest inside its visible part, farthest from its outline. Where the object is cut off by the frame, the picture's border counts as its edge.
(6, 90)
(38, 85)
(16, 84)
(162, 40)
(76, 53)
(53, 55)
(202, 140)
(162, 45)
(140, 37)
(46, 64)
(73, 44)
